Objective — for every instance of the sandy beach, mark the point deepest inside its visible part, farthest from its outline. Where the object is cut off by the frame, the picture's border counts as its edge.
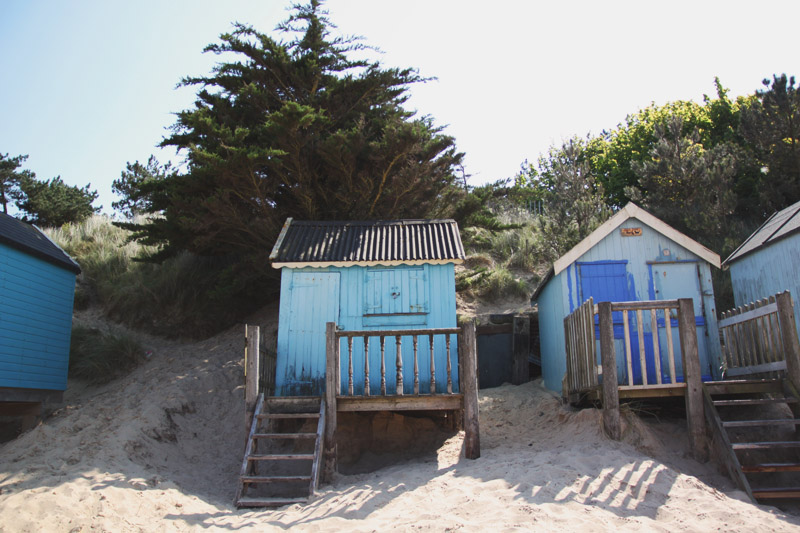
(160, 450)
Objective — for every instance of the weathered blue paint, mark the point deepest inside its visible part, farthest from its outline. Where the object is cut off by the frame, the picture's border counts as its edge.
(655, 268)
(36, 300)
(364, 298)
(767, 271)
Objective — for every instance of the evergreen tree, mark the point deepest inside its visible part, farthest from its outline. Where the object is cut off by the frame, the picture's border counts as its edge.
(136, 184)
(10, 178)
(53, 203)
(298, 129)
(771, 125)
(574, 200)
(686, 185)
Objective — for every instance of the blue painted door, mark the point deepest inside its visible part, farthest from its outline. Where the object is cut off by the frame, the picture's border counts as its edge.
(608, 282)
(314, 302)
(670, 281)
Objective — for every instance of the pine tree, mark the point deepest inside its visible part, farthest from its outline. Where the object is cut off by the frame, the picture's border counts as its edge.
(298, 129)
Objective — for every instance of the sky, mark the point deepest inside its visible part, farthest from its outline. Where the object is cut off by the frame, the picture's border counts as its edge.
(88, 85)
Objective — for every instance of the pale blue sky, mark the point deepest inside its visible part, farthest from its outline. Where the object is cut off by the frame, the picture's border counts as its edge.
(88, 85)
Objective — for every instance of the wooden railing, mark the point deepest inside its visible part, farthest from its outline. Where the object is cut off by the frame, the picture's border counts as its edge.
(396, 346)
(467, 397)
(580, 340)
(651, 308)
(757, 336)
(579, 334)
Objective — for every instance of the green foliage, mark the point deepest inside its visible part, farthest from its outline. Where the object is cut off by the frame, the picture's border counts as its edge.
(687, 186)
(10, 178)
(573, 199)
(52, 203)
(136, 184)
(771, 126)
(491, 283)
(294, 128)
(100, 357)
(186, 295)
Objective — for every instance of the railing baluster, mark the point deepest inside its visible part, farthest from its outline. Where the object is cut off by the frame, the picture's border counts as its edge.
(642, 358)
(399, 366)
(656, 352)
(366, 365)
(350, 365)
(670, 346)
(416, 366)
(449, 376)
(626, 333)
(433, 367)
(383, 365)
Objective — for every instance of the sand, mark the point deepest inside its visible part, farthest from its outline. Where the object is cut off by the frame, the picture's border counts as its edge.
(160, 449)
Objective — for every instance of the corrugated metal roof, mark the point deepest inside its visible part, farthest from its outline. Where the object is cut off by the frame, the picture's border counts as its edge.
(778, 226)
(32, 240)
(386, 242)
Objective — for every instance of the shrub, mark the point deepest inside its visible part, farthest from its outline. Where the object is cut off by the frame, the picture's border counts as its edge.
(186, 295)
(99, 357)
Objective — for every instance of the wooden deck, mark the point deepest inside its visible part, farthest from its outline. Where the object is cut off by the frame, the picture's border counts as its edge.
(397, 391)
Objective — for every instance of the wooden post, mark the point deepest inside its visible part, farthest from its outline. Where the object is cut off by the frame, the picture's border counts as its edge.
(251, 374)
(791, 346)
(608, 357)
(331, 388)
(691, 374)
(469, 378)
(521, 342)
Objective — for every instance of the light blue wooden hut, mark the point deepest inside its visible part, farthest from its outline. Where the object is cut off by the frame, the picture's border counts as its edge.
(768, 262)
(384, 275)
(37, 285)
(633, 256)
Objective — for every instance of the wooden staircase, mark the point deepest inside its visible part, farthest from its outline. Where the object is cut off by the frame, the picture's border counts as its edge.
(281, 464)
(755, 427)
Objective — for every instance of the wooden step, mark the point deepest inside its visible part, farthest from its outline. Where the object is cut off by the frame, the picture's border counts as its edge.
(276, 416)
(771, 467)
(274, 479)
(743, 386)
(284, 435)
(777, 493)
(765, 445)
(282, 457)
(753, 423)
(269, 502)
(752, 401)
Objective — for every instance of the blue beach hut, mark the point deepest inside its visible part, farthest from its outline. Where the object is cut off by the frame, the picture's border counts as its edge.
(633, 256)
(766, 263)
(384, 275)
(37, 286)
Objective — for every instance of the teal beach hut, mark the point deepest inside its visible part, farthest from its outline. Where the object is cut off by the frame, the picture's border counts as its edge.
(633, 256)
(37, 286)
(373, 276)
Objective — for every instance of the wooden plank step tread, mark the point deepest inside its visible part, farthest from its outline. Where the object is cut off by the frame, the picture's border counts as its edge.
(771, 467)
(274, 416)
(284, 435)
(751, 423)
(269, 502)
(273, 479)
(742, 382)
(776, 493)
(765, 445)
(753, 401)
(282, 457)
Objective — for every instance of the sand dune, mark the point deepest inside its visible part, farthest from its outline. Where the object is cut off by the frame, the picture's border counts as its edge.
(160, 450)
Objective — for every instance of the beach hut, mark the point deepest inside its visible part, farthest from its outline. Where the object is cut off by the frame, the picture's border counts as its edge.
(37, 285)
(633, 256)
(766, 263)
(364, 276)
